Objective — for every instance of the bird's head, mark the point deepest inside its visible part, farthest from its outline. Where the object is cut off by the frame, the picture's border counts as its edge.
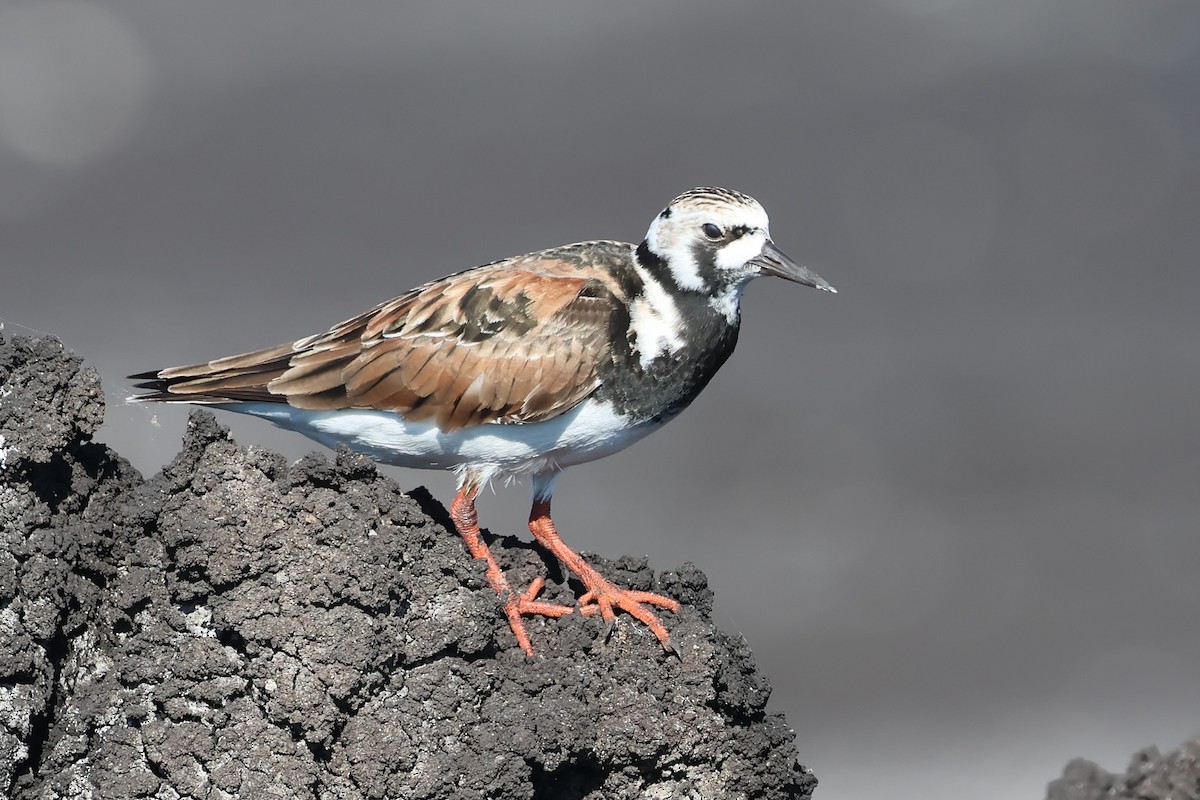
(714, 241)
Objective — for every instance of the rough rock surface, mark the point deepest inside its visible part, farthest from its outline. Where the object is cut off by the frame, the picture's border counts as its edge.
(1151, 776)
(240, 627)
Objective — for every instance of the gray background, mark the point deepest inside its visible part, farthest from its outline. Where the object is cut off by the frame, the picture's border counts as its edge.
(954, 509)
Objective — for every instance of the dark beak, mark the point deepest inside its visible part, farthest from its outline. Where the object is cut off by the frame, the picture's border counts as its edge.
(778, 263)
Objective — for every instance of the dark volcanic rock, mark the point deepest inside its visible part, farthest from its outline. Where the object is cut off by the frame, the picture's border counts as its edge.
(240, 627)
(63, 533)
(1151, 776)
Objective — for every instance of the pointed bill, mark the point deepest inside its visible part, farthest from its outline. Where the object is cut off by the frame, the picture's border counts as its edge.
(778, 263)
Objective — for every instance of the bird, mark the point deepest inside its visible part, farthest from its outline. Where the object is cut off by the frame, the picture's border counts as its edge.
(520, 368)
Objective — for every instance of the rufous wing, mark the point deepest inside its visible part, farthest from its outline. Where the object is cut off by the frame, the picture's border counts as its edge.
(516, 341)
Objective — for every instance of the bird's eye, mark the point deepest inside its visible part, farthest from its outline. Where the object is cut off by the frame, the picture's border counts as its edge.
(711, 231)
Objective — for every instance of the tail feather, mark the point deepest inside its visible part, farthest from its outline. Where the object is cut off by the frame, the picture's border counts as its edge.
(232, 379)
(243, 363)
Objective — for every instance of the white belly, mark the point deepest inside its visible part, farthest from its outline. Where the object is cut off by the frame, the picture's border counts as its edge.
(589, 431)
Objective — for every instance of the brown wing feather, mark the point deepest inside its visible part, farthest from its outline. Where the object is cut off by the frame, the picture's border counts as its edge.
(474, 349)
(517, 341)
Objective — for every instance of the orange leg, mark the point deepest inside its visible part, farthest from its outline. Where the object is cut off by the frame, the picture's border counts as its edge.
(601, 595)
(466, 519)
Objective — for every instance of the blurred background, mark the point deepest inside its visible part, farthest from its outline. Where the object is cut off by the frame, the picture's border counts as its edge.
(955, 509)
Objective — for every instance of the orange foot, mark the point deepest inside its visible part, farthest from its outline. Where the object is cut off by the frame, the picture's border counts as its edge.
(466, 519)
(601, 596)
(604, 597)
(518, 605)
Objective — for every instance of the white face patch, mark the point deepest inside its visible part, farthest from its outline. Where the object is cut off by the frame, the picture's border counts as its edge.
(733, 256)
(666, 242)
(732, 259)
(681, 231)
(654, 320)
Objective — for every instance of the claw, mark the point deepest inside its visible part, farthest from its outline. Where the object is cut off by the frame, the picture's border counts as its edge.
(609, 626)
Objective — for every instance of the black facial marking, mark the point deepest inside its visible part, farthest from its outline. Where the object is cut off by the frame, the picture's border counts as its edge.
(652, 261)
(705, 256)
(666, 213)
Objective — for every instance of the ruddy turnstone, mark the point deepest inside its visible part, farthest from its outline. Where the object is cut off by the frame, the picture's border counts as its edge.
(525, 366)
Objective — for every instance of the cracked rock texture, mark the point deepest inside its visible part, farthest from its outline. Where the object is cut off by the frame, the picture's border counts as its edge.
(240, 627)
(1151, 776)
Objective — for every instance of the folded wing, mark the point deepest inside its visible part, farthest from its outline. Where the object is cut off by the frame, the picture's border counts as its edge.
(516, 341)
